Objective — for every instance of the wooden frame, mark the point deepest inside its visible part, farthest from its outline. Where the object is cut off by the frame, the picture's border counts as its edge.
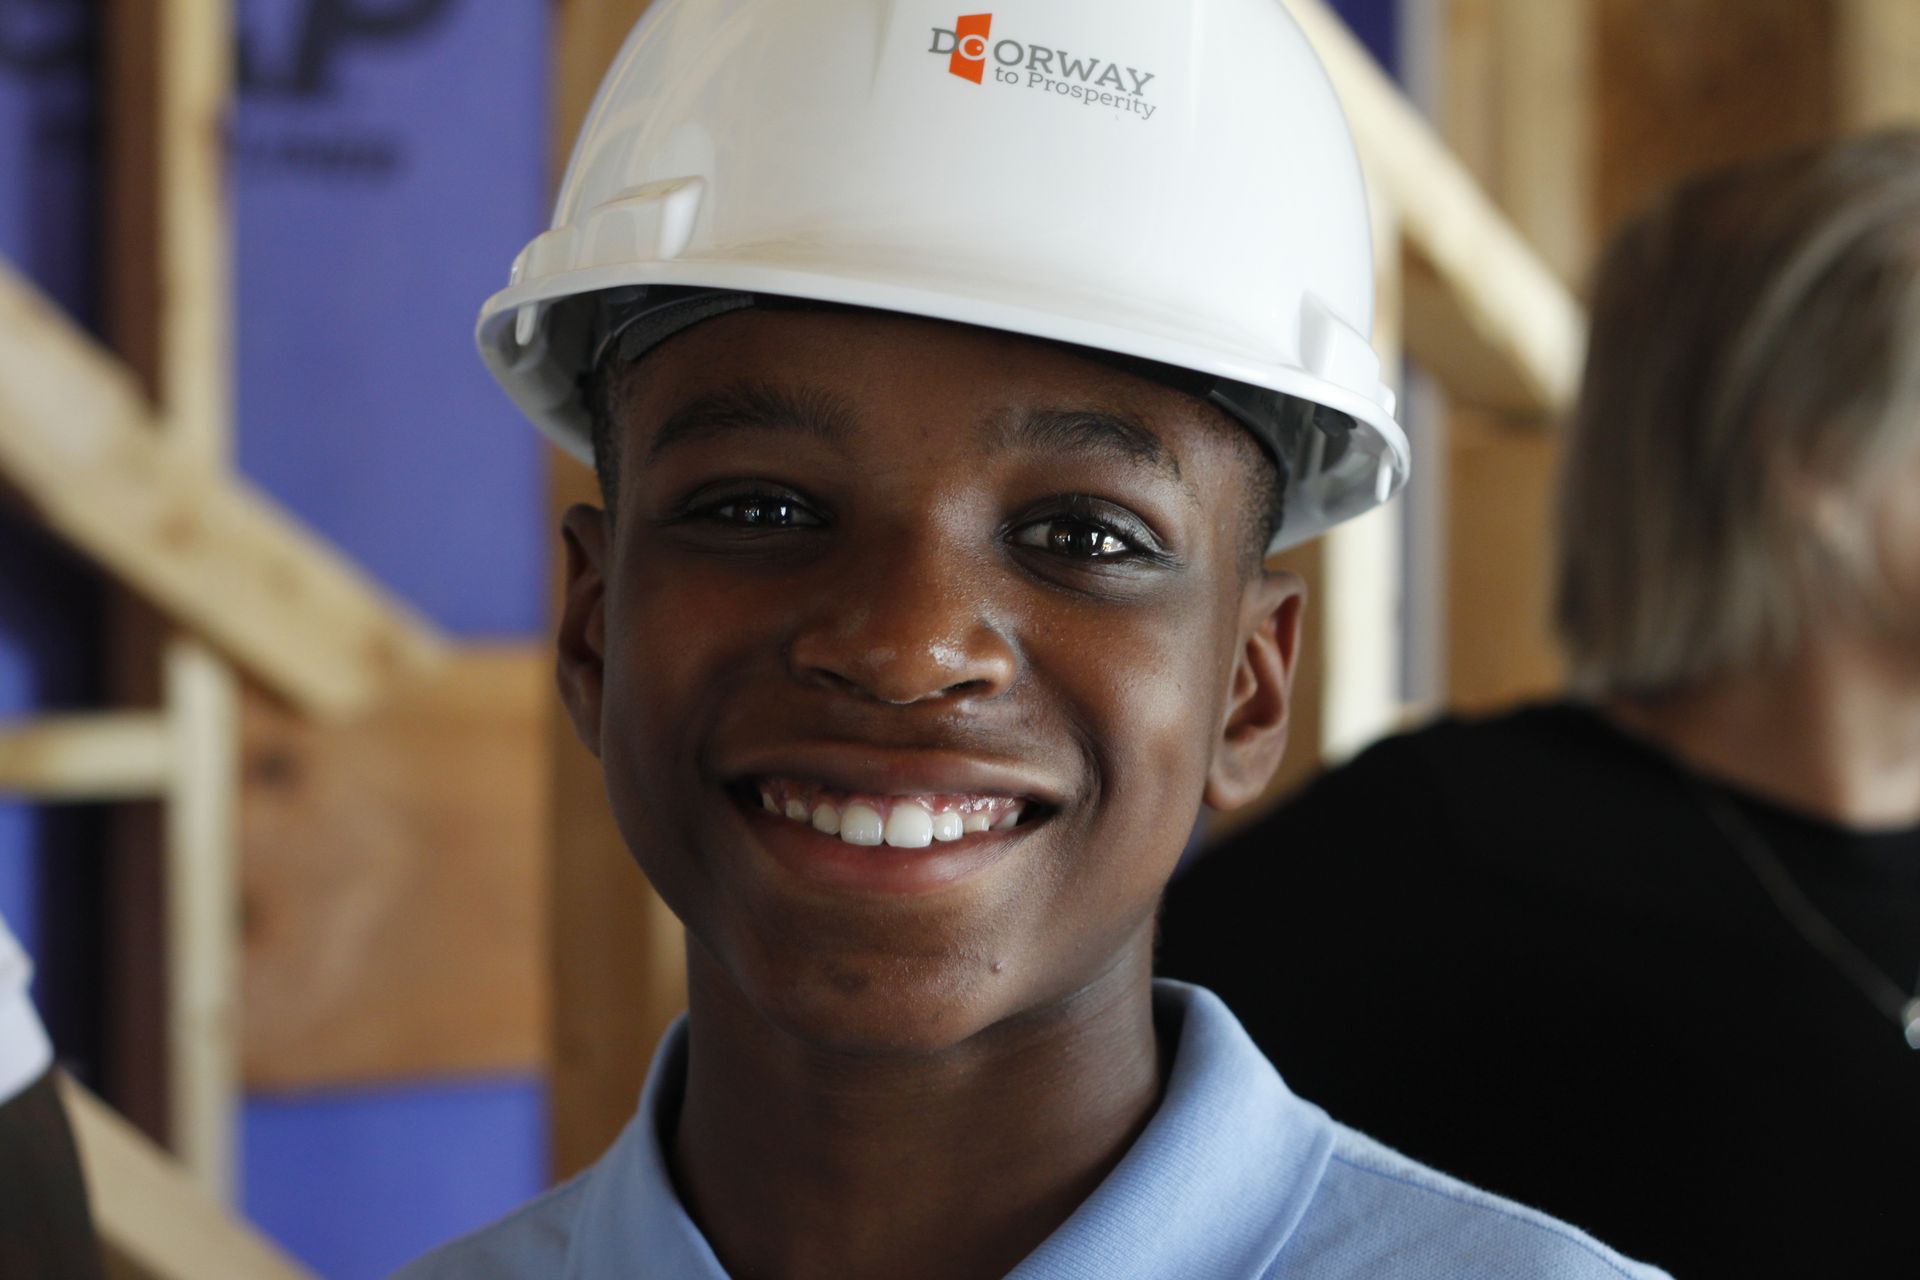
(154, 1219)
(124, 755)
(131, 462)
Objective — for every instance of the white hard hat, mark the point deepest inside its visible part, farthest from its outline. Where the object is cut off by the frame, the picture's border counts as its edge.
(1165, 180)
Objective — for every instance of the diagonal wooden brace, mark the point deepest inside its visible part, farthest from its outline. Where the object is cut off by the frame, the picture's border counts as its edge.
(150, 1214)
(78, 444)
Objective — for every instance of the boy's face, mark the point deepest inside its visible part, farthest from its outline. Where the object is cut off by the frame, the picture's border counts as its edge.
(877, 561)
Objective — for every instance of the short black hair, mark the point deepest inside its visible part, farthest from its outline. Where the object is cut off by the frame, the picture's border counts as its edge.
(600, 392)
(1262, 514)
(1266, 507)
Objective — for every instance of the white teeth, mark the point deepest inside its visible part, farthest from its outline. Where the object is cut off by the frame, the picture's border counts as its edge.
(860, 825)
(909, 827)
(903, 823)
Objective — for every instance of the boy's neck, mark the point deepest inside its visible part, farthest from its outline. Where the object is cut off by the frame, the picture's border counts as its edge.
(800, 1164)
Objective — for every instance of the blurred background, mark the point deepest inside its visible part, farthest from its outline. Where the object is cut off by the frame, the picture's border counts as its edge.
(321, 892)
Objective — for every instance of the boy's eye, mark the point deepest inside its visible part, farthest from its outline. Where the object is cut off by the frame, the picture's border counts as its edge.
(1079, 539)
(760, 511)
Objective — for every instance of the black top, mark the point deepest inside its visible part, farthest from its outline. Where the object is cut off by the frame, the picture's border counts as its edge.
(1521, 950)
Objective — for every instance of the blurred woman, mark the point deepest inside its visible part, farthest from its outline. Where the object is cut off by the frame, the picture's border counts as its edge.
(45, 1228)
(1649, 957)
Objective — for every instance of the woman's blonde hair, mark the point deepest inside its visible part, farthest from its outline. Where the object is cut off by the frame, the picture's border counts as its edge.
(1756, 339)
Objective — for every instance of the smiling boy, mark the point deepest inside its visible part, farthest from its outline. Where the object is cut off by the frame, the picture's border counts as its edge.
(926, 608)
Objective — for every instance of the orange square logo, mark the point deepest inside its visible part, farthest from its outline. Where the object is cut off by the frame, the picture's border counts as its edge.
(970, 47)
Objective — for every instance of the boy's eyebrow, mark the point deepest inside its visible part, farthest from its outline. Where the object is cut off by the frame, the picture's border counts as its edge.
(755, 406)
(1084, 431)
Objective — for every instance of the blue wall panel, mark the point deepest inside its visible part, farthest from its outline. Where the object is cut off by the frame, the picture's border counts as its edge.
(357, 1183)
(388, 160)
(47, 215)
(48, 600)
(385, 175)
(1377, 23)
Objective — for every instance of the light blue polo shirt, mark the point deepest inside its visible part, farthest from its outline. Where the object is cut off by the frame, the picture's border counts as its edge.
(1234, 1178)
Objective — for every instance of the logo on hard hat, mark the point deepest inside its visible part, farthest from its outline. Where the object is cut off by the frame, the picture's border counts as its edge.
(969, 46)
(1092, 82)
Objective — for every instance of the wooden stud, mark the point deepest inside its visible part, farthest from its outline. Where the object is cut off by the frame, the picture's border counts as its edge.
(170, 268)
(1466, 106)
(170, 83)
(1544, 125)
(200, 834)
(107, 756)
(153, 1219)
(1879, 72)
(1519, 100)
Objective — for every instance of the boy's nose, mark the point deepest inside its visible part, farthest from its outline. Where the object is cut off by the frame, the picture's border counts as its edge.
(901, 630)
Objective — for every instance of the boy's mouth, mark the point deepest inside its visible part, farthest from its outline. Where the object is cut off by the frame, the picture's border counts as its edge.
(899, 821)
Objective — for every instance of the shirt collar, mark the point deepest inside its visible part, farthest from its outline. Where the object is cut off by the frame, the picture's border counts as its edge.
(631, 1213)
(1213, 1186)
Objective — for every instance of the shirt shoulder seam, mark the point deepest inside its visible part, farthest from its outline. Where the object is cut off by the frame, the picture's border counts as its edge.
(1565, 1233)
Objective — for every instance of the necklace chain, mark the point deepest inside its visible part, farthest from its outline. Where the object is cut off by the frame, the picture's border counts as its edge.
(1813, 924)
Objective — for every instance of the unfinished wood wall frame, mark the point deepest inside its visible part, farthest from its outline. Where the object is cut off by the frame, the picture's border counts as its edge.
(130, 459)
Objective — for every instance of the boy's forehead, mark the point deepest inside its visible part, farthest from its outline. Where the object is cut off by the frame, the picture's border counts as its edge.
(822, 373)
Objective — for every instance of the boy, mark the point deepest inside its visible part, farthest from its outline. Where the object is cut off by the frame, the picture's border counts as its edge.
(947, 380)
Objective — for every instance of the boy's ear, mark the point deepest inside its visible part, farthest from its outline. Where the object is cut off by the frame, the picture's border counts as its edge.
(581, 666)
(1253, 736)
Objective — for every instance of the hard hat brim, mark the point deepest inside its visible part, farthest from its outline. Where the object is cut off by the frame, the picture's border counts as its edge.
(520, 327)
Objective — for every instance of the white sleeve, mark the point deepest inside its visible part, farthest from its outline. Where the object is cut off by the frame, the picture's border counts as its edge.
(25, 1053)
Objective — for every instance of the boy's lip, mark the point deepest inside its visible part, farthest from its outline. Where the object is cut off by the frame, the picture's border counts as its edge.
(826, 862)
(864, 768)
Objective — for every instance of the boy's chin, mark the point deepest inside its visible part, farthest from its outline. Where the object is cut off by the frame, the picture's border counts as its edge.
(877, 1009)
